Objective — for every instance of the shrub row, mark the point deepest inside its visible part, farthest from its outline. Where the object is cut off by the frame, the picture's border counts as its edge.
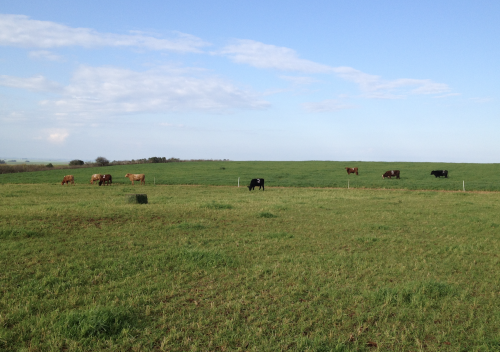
(100, 161)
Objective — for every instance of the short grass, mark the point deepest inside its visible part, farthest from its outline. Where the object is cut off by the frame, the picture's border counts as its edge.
(477, 177)
(203, 268)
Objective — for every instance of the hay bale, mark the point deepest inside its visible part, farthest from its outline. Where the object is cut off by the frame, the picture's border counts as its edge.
(137, 198)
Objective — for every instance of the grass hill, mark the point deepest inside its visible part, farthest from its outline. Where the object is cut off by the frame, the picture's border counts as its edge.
(477, 177)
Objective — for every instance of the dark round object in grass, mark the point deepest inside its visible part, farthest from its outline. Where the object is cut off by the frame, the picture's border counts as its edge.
(137, 198)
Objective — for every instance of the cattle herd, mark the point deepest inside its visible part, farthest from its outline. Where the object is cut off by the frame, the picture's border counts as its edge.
(105, 179)
(396, 173)
(108, 180)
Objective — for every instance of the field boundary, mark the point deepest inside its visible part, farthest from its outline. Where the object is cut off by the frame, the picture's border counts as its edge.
(279, 187)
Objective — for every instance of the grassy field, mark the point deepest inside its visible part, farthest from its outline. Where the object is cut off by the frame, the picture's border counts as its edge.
(414, 176)
(224, 269)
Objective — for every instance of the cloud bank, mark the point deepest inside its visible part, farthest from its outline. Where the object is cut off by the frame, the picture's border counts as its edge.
(35, 84)
(107, 90)
(267, 56)
(262, 55)
(328, 105)
(21, 31)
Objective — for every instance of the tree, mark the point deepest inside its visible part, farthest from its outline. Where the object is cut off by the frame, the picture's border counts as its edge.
(49, 165)
(156, 159)
(76, 162)
(102, 161)
(2, 161)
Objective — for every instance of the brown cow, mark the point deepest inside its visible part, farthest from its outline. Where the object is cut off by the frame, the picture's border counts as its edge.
(106, 179)
(352, 170)
(95, 177)
(391, 173)
(67, 179)
(136, 177)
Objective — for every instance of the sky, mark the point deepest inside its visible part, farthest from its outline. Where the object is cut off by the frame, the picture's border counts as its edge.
(251, 80)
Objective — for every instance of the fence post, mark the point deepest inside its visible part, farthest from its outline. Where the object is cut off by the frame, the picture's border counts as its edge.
(347, 183)
(154, 180)
(238, 182)
(464, 185)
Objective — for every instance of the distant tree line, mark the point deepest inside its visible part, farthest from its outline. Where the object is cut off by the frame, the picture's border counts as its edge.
(102, 161)
(76, 162)
(156, 159)
(99, 161)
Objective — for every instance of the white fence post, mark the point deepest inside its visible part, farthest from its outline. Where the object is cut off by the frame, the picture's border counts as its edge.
(464, 185)
(238, 182)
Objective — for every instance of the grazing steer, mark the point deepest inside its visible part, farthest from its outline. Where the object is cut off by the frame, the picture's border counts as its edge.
(106, 179)
(95, 177)
(439, 173)
(391, 173)
(256, 182)
(67, 179)
(352, 170)
(136, 177)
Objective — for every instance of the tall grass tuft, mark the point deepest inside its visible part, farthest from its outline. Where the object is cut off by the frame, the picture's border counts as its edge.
(266, 214)
(101, 322)
(214, 205)
(415, 293)
(20, 232)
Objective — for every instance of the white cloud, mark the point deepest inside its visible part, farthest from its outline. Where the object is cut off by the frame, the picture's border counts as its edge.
(45, 54)
(35, 83)
(262, 55)
(267, 56)
(374, 86)
(21, 31)
(299, 80)
(57, 136)
(107, 90)
(329, 105)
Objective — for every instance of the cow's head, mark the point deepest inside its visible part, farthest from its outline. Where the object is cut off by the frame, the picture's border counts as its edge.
(127, 175)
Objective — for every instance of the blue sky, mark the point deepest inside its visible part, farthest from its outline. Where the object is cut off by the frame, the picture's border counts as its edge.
(260, 80)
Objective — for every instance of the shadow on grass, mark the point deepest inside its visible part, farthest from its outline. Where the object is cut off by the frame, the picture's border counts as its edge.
(19, 233)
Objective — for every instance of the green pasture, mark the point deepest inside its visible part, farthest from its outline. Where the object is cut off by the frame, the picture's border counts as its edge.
(477, 177)
(204, 268)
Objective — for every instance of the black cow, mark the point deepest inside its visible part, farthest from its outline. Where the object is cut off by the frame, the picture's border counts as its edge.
(256, 182)
(439, 173)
